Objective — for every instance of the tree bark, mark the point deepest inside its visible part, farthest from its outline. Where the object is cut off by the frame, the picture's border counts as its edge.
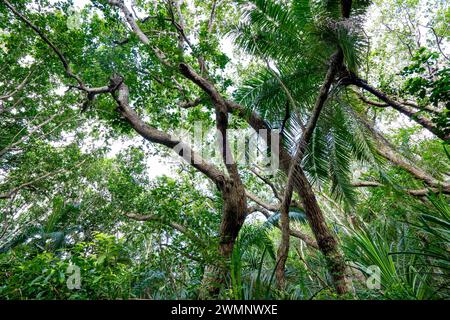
(234, 212)
(229, 230)
(234, 208)
(325, 239)
(283, 249)
(233, 191)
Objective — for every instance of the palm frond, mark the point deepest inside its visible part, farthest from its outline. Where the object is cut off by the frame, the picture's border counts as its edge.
(295, 214)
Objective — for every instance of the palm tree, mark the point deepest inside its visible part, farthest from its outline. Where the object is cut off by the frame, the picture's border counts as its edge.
(300, 42)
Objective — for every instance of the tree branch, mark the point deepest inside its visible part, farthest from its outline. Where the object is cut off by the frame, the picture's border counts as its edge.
(120, 94)
(335, 63)
(406, 103)
(13, 191)
(415, 116)
(413, 192)
(386, 150)
(191, 104)
(212, 15)
(268, 182)
(61, 57)
(267, 206)
(137, 30)
(81, 86)
(27, 136)
(221, 116)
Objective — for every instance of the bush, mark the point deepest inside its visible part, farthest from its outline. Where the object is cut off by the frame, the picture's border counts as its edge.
(104, 269)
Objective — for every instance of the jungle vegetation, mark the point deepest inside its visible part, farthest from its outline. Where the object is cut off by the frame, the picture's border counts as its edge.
(97, 200)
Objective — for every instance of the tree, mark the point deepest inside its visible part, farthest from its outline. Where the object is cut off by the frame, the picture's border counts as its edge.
(154, 69)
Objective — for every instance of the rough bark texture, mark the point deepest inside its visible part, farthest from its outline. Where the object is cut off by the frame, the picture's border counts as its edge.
(234, 212)
(325, 240)
(160, 137)
(233, 192)
(283, 250)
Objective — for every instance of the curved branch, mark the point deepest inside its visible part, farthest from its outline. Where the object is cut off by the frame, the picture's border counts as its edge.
(386, 150)
(406, 103)
(58, 52)
(191, 104)
(137, 30)
(294, 170)
(27, 136)
(120, 94)
(267, 206)
(221, 108)
(268, 182)
(413, 192)
(411, 114)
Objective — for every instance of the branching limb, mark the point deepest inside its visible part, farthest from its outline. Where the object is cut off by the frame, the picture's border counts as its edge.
(406, 104)
(413, 192)
(295, 170)
(27, 136)
(221, 107)
(262, 203)
(411, 114)
(58, 52)
(120, 94)
(191, 104)
(268, 182)
(387, 151)
(81, 85)
(137, 30)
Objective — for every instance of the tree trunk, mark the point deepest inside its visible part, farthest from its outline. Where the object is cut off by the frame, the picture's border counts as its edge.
(283, 249)
(234, 212)
(325, 239)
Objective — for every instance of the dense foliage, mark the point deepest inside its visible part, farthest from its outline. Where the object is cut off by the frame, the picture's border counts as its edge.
(94, 203)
